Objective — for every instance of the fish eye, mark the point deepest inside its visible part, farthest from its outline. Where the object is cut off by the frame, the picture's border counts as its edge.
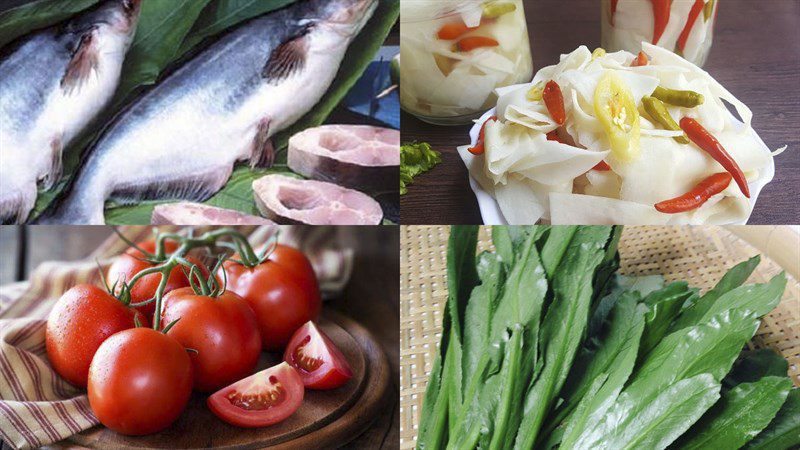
(128, 4)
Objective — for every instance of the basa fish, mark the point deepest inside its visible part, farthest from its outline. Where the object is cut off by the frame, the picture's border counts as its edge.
(52, 84)
(182, 139)
(287, 200)
(187, 213)
(361, 157)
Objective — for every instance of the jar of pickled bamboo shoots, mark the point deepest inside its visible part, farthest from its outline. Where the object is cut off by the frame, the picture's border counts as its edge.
(454, 54)
(683, 26)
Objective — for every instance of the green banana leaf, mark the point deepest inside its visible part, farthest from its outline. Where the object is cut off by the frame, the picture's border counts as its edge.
(223, 14)
(38, 14)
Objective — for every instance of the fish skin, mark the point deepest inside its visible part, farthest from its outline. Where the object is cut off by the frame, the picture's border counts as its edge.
(182, 139)
(187, 213)
(53, 83)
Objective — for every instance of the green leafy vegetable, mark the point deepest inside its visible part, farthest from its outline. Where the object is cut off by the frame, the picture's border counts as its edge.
(740, 414)
(547, 348)
(415, 159)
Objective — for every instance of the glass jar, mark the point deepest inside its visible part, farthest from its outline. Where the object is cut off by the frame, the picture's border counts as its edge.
(454, 54)
(683, 26)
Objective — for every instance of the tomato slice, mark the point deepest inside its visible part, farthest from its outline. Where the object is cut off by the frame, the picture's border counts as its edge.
(262, 399)
(616, 110)
(320, 364)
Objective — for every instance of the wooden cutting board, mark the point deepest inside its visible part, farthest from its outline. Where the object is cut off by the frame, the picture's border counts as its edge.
(326, 419)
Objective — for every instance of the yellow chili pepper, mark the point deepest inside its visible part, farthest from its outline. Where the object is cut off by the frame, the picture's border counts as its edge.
(616, 110)
(599, 52)
(708, 10)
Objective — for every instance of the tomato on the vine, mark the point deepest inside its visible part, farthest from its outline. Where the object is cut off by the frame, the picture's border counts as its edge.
(262, 399)
(319, 362)
(140, 381)
(223, 331)
(134, 261)
(283, 292)
(80, 321)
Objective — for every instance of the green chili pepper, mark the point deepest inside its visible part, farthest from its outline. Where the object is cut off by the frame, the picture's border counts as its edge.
(493, 10)
(657, 111)
(686, 99)
(708, 10)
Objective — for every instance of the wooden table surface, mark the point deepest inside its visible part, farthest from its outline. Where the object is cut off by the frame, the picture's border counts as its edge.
(371, 297)
(756, 55)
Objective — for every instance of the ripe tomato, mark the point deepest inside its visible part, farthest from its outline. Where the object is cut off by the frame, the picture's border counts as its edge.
(262, 399)
(223, 330)
(320, 364)
(133, 261)
(81, 320)
(282, 291)
(140, 381)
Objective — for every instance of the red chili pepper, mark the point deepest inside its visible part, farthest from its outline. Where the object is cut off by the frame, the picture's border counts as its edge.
(613, 10)
(641, 60)
(479, 149)
(694, 13)
(695, 198)
(554, 100)
(661, 18)
(602, 166)
(708, 143)
(452, 30)
(471, 43)
(553, 136)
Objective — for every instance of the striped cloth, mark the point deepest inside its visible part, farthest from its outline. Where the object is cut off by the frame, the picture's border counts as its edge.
(37, 407)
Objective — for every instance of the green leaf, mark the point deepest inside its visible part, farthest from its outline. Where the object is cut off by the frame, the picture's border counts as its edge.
(462, 277)
(734, 278)
(739, 416)
(784, 430)
(163, 25)
(221, 15)
(564, 325)
(663, 306)
(558, 239)
(36, 15)
(656, 422)
(611, 356)
(482, 305)
(711, 347)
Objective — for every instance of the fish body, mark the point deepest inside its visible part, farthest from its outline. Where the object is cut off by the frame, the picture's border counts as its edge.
(182, 139)
(52, 84)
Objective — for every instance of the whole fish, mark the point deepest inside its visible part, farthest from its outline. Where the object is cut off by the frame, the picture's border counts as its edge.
(182, 139)
(52, 84)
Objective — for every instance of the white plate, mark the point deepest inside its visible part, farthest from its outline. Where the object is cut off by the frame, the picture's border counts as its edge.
(490, 210)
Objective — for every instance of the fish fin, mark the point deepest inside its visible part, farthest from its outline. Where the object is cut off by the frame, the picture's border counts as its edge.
(195, 187)
(288, 58)
(263, 154)
(56, 167)
(84, 61)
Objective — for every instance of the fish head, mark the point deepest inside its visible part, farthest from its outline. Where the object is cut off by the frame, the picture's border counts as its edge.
(117, 16)
(346, 17)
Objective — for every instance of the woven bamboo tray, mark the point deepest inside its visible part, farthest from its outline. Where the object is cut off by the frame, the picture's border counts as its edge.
(699, 255)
